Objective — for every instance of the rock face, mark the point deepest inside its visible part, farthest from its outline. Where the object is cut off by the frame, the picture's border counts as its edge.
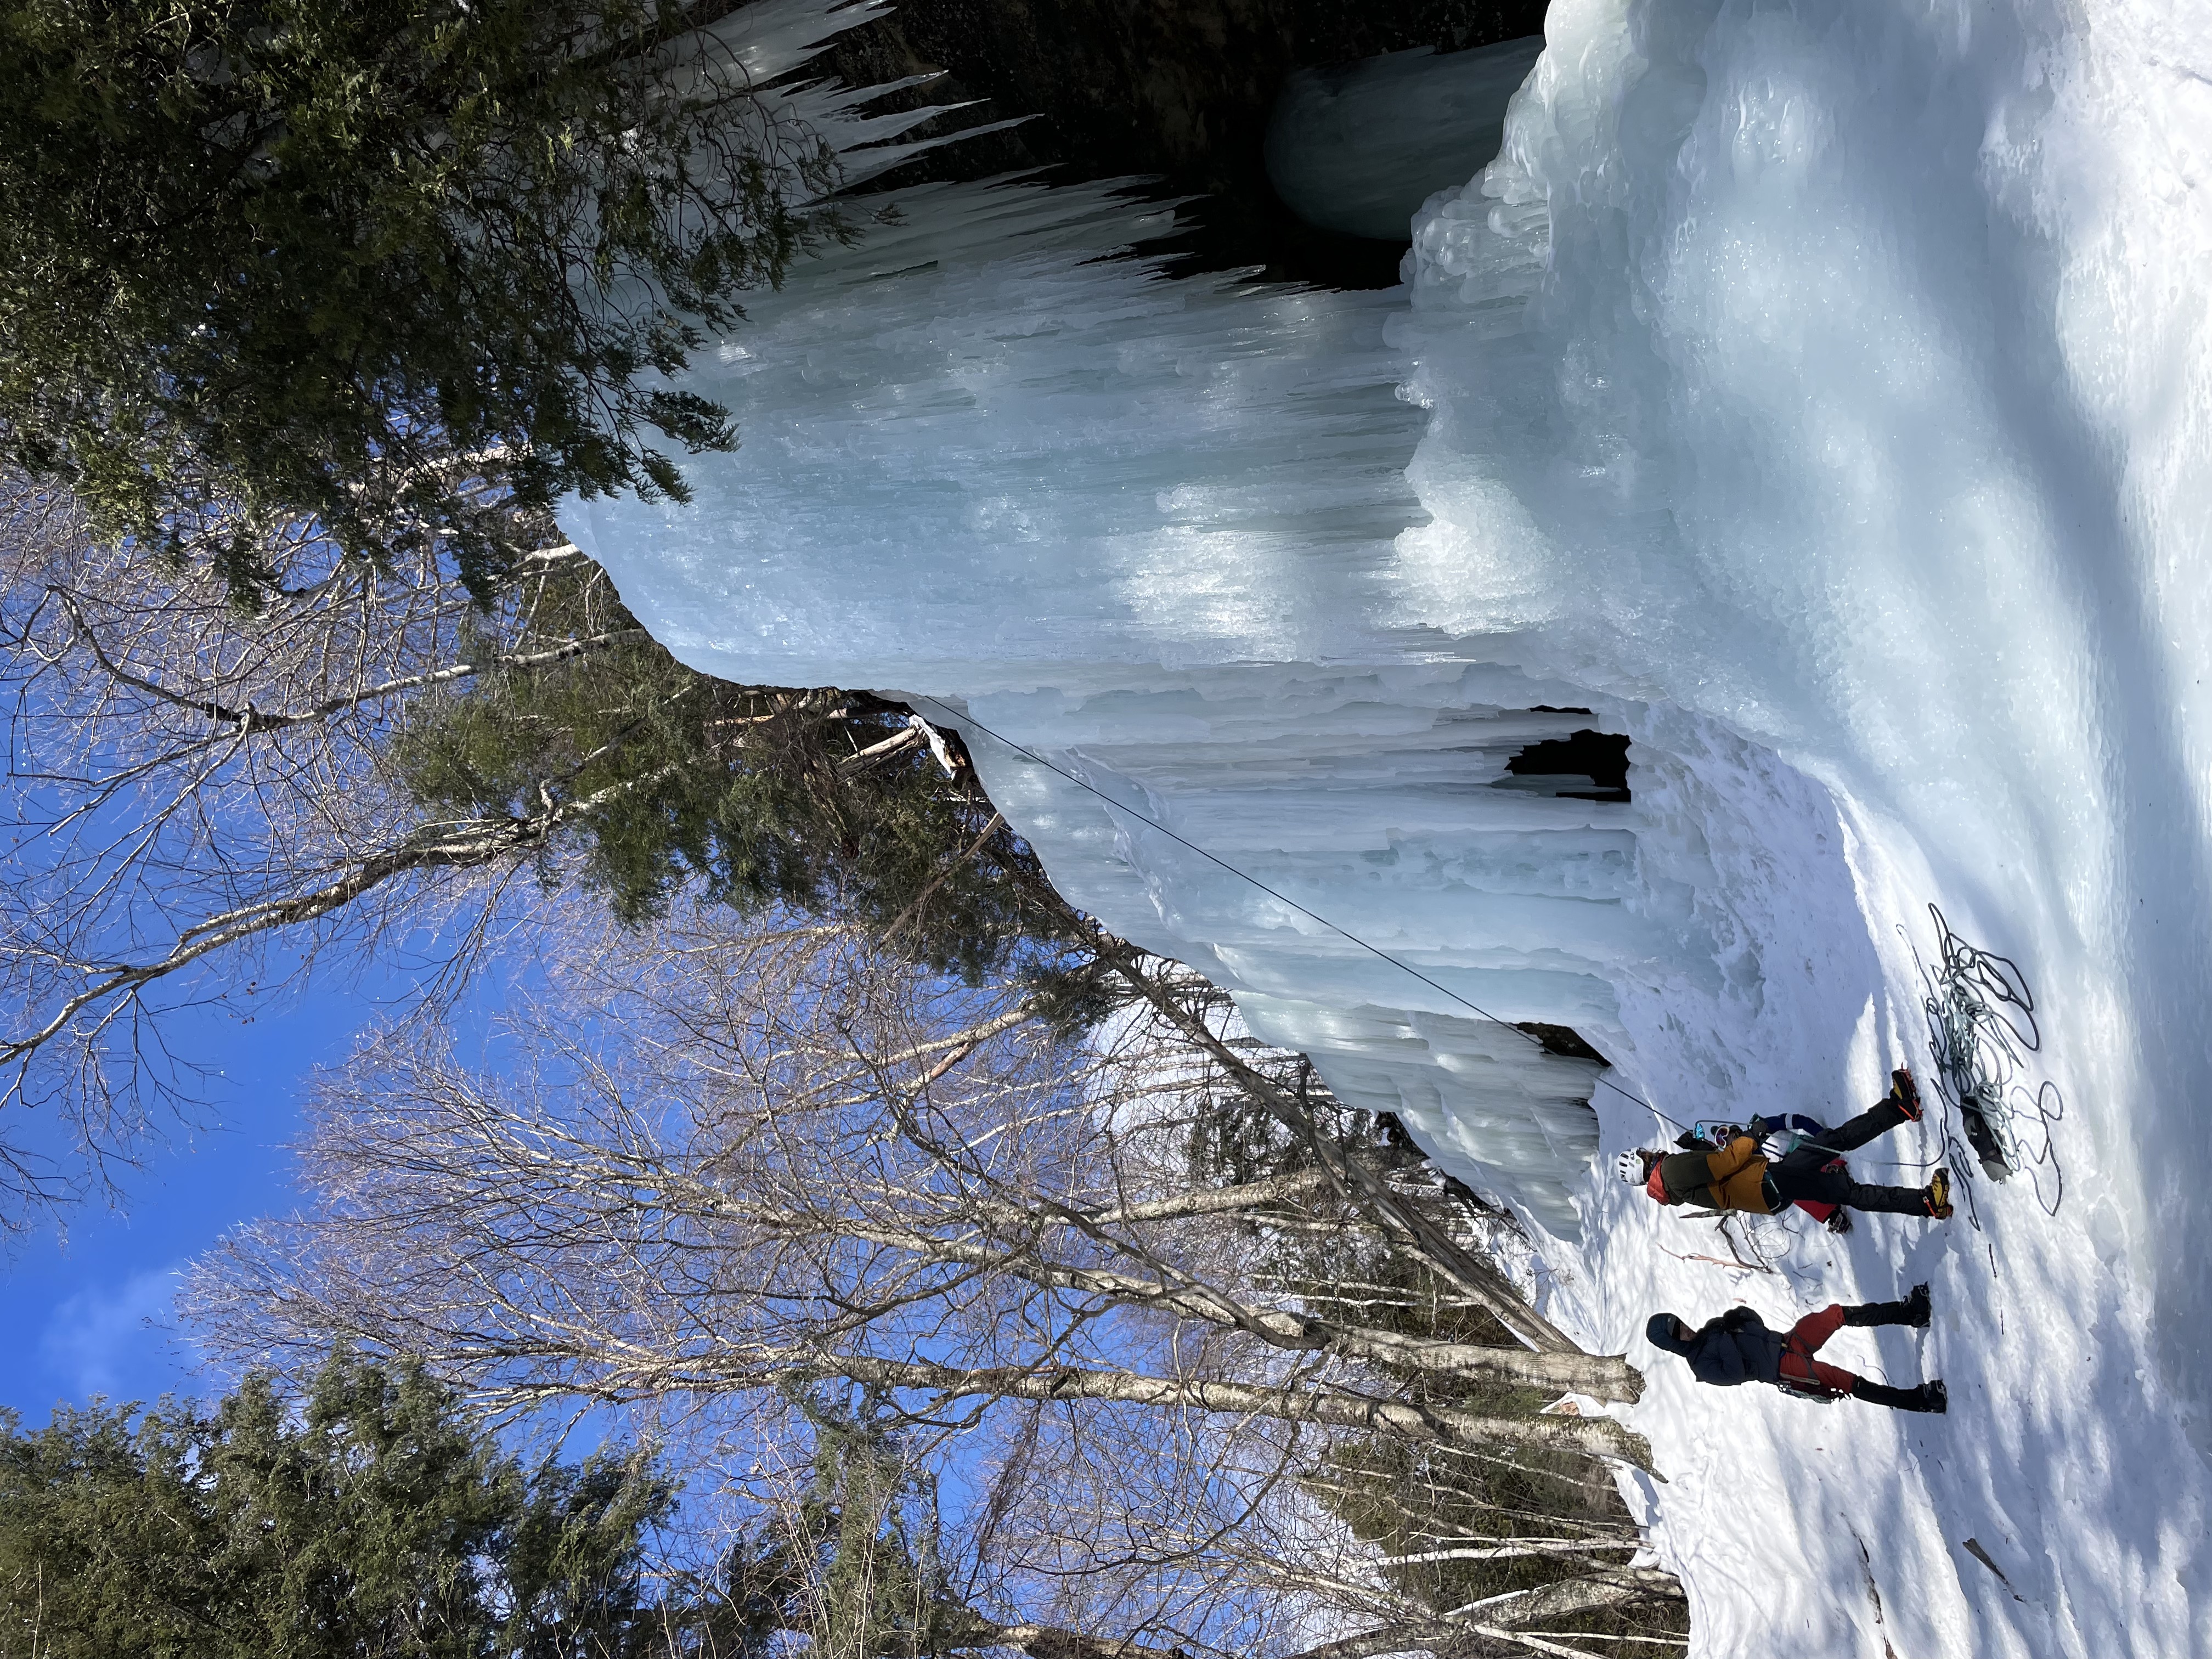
(1357, 150)
(1180, 89)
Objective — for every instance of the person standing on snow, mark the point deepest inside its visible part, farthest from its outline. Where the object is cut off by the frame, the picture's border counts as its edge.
(1738, 1176)
(1737, 1347)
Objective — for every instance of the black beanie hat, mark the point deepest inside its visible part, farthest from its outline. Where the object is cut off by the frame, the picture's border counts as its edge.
(1659, 1332)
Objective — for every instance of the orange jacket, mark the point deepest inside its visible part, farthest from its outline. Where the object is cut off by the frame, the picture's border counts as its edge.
(1733, 1178)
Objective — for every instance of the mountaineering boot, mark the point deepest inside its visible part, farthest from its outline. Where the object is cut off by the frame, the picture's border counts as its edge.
(1982, 1138)
(1938, 1195)
(1905, 1092)
(1927, 1397)
(1914, 1310)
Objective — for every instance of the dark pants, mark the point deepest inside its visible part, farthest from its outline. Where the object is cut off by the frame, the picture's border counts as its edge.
(1804, 1173)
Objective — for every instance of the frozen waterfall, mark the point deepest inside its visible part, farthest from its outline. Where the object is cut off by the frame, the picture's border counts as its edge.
(1725, 440)
(1820, 395)
(1150, 530)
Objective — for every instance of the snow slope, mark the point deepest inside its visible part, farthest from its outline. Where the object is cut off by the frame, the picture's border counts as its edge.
(1865, 334)
(1816, 392)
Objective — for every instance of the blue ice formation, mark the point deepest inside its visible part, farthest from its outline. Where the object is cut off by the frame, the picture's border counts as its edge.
(1804, 393)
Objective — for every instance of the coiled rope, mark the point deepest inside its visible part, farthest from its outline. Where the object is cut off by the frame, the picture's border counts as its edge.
(1982, 1029)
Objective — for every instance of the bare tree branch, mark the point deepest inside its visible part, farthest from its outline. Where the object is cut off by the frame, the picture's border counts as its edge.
(723, 1173)
(1478, 1278)
(1600, 1436)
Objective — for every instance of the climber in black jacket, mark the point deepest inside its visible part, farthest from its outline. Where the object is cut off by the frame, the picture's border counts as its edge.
(1737, 1347)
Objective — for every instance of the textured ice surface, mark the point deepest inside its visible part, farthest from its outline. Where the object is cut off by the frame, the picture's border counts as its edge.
(1858, 403)
(1821, 394)
(1151, 528)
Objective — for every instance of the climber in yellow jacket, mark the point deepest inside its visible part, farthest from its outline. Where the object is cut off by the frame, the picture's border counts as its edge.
(1740, 1176)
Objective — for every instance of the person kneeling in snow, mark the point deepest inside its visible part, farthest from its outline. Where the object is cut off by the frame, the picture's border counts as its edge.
(1737, 1347)
(1739, 1177)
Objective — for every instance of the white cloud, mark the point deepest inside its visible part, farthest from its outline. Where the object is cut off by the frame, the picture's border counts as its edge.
(101, 1340)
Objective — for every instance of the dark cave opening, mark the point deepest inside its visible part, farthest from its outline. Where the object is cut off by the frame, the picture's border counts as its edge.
(1599, 758)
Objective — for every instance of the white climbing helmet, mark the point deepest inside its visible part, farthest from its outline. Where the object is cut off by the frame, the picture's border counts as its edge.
(1630, 1163)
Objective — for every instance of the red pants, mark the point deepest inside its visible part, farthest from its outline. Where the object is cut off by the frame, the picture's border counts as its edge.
(1800, 1370)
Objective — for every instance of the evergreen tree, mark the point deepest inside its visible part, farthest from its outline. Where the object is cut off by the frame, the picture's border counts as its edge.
(876, 1589)
(823, 801)
(376, 1520)
(386, 267)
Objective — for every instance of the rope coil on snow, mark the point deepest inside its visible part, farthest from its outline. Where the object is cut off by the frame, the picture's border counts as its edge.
(1981, 1029)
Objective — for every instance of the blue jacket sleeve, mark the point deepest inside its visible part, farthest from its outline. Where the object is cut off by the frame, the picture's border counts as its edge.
(1735, 1347)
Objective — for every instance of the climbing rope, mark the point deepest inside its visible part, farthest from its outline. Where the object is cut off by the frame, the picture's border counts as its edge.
(1982, 1029)
(1981, 1019)
(1154, 824)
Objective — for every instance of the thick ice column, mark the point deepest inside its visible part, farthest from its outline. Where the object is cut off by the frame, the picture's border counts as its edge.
(979, 452)
(1379, 802)
(1158, 531)
(1164, 532)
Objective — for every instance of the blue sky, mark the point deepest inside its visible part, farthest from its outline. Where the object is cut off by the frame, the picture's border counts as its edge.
(77, 1305)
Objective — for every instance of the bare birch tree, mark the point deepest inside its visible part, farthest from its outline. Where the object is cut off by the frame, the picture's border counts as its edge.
(189, 781)
(207, 799)
(725, 1171)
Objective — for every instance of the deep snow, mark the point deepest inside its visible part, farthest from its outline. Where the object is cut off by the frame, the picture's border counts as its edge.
(1818, 393)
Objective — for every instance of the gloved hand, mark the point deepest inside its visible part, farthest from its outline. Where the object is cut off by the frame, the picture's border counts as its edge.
(1757, 1128)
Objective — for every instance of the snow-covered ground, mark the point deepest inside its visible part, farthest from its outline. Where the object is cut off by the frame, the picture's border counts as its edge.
(1878, 361)
(1821, 394)
(1842, 1529)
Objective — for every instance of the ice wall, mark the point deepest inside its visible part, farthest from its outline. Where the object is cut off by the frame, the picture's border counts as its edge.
(1812, 368)
(1820, 393)
(1807, 391)
(1150, 528)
